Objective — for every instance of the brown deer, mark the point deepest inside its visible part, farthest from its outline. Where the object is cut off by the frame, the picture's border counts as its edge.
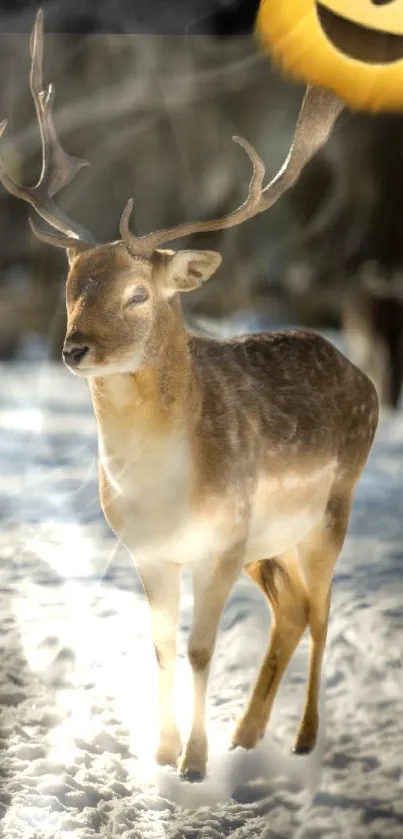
(372, 326)
(223, 456)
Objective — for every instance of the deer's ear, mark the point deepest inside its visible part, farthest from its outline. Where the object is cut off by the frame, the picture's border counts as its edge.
(188, 270)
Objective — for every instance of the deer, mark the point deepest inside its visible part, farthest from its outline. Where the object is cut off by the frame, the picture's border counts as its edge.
(372, 327)
(223, 457)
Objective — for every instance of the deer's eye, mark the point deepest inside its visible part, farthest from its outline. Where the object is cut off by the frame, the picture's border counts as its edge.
(139, 295)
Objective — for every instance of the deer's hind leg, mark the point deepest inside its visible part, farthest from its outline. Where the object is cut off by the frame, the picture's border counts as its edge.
(281, 582)
(297, 585)
(317, 557)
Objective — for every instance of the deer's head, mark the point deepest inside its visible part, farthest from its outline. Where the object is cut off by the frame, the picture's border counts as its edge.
(122, 296)
(120, 307)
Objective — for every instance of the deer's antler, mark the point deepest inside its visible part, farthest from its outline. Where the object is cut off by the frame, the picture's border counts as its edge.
(58, 168)
(145, 245)
(317, 116)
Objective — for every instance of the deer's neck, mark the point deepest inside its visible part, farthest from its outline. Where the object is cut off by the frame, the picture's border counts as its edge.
(151, 404)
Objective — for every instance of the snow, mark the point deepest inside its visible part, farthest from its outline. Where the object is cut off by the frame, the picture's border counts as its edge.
(78, 676)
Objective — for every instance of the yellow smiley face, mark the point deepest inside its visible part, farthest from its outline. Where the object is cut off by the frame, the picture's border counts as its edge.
(351, 47)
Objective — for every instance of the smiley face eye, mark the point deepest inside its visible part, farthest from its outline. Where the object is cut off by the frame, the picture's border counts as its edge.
(139, 295)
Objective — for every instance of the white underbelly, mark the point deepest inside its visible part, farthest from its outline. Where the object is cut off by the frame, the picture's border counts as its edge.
(285, 510)
(198, 539)
(283, 513)
(280, 534)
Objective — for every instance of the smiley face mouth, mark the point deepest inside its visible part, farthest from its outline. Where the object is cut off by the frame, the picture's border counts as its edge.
(359, 42)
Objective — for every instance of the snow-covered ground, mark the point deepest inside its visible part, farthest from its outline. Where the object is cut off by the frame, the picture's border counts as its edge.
(78, 677)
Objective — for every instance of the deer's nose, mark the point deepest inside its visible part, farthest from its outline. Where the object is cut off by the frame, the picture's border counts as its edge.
(74, 351)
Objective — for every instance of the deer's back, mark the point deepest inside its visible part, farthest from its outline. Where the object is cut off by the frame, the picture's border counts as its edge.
(286, 396)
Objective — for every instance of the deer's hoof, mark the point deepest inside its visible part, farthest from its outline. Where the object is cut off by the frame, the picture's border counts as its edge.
(193, 776)
(243, 743)
(306, 738)
(193, 762)
(168, 752)
(166, 759)
(303, 749)
(246, 736)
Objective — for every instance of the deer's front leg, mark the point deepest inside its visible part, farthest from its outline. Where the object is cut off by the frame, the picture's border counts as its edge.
(162, 588)
(211, 587)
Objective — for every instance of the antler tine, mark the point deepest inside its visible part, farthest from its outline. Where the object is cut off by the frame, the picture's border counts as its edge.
(317, 116)
(318, 113)
(58, 167)
(145, 245)
(56, 238)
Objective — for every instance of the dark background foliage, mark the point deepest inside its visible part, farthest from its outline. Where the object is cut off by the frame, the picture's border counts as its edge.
(151, 93)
